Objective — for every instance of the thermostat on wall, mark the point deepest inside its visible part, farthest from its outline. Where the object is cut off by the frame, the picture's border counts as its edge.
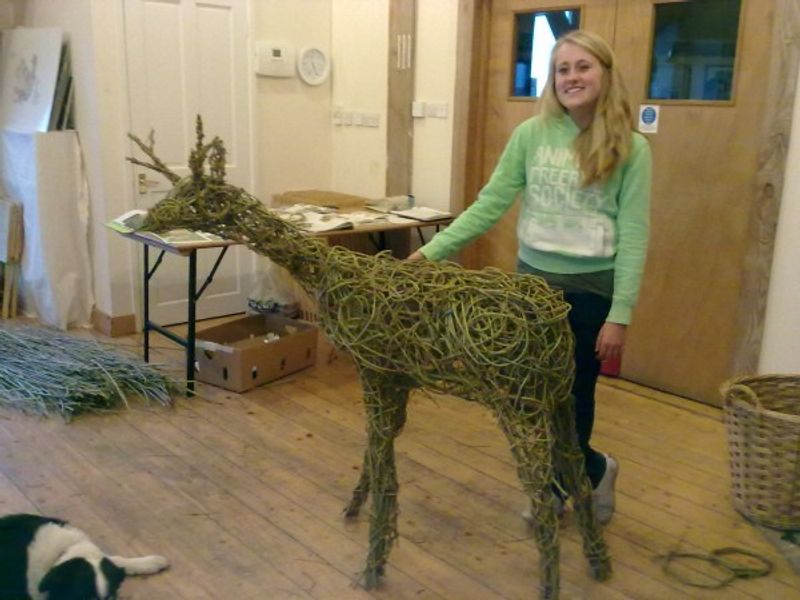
(274, 59)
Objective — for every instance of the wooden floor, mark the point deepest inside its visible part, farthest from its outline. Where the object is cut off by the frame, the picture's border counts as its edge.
(244, 493)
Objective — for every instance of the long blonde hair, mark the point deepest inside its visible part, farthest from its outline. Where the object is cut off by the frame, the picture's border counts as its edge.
(606, 142)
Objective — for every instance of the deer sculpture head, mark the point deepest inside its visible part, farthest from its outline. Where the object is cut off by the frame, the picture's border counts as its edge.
(202, 197)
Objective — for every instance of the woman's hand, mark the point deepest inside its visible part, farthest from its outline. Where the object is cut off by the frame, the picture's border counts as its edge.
(417, 255)
(610, 341)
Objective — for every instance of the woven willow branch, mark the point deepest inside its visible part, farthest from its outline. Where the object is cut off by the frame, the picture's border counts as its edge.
(45, 372)
(487, 336)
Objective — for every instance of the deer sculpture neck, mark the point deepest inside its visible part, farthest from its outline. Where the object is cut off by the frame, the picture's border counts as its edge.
(285, 244)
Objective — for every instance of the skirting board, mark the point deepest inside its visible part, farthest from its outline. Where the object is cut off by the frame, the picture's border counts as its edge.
(113, 326)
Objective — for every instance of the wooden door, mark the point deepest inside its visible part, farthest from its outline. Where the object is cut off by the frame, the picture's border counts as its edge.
(184, 58)
(688, 327)
(688, 334)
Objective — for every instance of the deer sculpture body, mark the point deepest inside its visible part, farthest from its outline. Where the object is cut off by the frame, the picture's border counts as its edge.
(498, 339)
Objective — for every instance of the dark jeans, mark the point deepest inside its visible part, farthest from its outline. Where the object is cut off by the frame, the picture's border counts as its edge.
(589, 312)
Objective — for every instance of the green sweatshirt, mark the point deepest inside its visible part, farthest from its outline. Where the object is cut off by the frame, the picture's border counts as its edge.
(562, 228)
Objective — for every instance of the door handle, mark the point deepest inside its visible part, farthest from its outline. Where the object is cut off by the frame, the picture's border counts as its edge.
(145, 183)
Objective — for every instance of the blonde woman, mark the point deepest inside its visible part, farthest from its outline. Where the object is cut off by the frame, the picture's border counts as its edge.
(583, 225)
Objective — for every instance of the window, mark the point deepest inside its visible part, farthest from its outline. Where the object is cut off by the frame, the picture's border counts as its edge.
(536, 34)
(694, 50)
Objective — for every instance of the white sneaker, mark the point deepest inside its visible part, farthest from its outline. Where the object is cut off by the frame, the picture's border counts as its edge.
(603, 494)
(560, 507)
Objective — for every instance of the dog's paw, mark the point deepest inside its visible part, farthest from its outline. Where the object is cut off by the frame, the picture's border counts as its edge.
(143, 565)
(155, 563)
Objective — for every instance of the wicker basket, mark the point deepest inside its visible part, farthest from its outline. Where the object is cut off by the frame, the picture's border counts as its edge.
(762, 414)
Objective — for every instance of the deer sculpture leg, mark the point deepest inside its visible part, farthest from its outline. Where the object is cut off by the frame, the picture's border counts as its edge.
(361, 491)
(569, 463)
(529, 435)
(385, 399)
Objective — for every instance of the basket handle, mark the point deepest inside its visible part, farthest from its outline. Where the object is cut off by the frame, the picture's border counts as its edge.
(728, 388)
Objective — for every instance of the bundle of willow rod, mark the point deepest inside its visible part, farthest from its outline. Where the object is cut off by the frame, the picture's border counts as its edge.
(487, 336)
(46, 373)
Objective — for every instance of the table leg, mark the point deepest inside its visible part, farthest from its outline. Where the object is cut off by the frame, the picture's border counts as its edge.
(191, 323)
(146, 304)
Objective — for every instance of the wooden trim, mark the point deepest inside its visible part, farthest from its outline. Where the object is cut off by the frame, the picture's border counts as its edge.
(400, 125)
(472, 72)
(113, 326)
(773, 151)
(462, 103)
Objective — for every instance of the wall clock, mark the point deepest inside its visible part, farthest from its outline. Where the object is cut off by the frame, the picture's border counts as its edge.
(313, 65)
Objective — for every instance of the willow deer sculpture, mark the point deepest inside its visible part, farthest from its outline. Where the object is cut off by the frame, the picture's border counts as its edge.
(498, 339)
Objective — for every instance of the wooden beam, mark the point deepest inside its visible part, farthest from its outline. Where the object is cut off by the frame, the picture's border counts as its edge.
(773, 150)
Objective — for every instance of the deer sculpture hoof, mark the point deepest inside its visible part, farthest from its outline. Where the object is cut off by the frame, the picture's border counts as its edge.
(600, 569)
(373, 576)
(351, 510)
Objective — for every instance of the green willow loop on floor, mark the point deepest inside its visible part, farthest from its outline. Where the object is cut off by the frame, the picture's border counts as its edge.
(730, 569)
(743, 571)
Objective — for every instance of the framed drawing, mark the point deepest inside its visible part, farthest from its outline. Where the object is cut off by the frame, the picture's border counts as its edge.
(28, 76)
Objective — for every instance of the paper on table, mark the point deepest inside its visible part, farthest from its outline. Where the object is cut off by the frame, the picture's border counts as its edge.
(132, 221)
(128, 222)
(316, 222)
(183, 237)
(422, 213)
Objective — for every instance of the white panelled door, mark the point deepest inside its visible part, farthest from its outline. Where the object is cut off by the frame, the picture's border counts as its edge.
(184, 58)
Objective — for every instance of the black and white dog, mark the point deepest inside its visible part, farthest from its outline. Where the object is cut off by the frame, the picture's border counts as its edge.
(47, 559)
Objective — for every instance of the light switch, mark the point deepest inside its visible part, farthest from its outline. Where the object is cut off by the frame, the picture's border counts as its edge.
(437, 110)
(372, 119)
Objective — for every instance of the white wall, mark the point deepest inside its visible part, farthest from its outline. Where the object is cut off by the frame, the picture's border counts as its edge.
(360, 42)
(780, 348)
(292, 145)
(437, 28)
(299, 147)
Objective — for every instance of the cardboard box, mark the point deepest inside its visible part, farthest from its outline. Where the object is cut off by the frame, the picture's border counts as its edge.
(250, 351)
